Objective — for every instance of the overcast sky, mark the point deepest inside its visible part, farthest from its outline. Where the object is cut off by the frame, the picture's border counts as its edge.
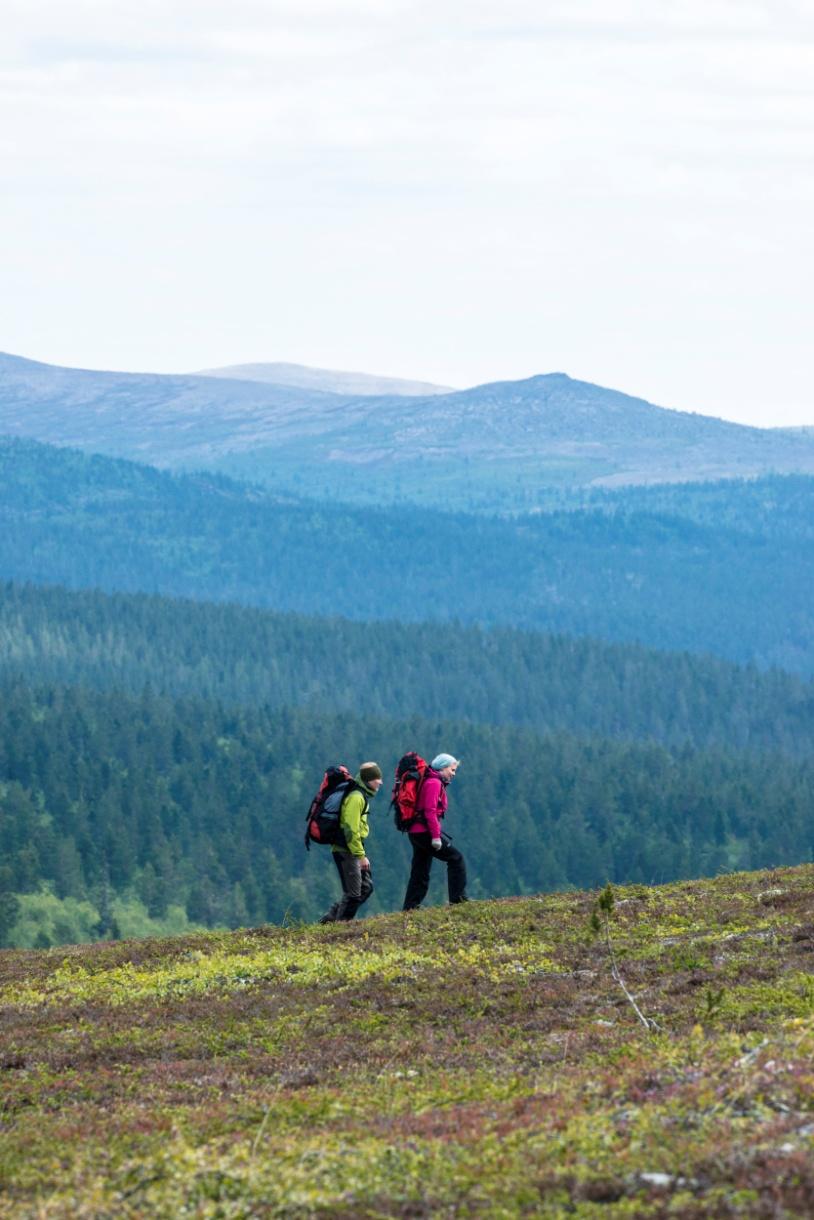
(455, 190)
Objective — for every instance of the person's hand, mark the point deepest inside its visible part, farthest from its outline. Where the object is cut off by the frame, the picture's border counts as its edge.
(436, 844)
(364, 863)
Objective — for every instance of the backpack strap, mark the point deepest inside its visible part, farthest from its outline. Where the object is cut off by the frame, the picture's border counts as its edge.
(352, 786)
(359, 788)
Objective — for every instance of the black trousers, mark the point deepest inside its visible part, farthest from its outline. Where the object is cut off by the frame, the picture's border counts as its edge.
(423, 856)
(357, 886)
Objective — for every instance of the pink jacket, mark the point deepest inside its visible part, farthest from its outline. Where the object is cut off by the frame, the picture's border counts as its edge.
(431, 805)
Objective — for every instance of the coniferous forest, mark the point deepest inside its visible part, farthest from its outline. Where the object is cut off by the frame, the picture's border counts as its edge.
(503, 675)
(626, 677)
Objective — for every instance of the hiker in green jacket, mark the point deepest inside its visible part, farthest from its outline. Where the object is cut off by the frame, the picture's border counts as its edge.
(351, 862)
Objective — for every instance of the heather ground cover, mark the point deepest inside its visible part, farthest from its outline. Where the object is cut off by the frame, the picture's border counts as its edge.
(477, 1061)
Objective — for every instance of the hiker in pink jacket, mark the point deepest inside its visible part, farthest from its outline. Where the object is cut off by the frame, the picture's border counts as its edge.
(429, 842)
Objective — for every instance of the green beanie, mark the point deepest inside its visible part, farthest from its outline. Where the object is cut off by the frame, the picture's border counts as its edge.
(369, 771)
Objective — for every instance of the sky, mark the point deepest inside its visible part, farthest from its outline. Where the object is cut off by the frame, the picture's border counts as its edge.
(456, 191)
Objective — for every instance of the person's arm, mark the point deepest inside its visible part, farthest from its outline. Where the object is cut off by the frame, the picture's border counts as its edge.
(428, 805)
(350, 819)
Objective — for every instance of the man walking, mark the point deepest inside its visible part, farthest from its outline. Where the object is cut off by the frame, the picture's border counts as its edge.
(351, 862)
(428, 840)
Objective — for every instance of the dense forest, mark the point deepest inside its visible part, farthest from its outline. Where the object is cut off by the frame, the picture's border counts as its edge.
(668, 581)
(775, 506)
(121, 814)
(242, 655)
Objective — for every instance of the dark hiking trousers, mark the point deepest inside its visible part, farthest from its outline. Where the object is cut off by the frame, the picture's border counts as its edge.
(357, 886)
(423, 856)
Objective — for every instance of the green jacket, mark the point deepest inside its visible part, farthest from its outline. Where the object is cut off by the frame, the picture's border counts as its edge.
(353, 818)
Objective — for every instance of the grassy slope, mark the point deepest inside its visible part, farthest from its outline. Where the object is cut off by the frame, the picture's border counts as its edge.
(478, 1061)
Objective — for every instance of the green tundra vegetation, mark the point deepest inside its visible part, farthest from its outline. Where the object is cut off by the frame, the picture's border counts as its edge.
(243, 655)
(702, 579)
(117, 810)
(480, 1061)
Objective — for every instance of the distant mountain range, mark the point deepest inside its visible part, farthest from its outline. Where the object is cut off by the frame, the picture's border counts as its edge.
(334, 381)
(488, 447)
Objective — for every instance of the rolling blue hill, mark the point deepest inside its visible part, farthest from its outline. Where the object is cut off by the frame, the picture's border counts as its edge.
(491, 447)
(659, 579)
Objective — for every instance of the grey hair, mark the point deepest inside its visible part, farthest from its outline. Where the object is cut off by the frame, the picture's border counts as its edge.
(443, 760)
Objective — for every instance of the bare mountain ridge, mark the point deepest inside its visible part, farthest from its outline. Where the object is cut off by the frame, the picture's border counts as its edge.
(542, 430)
(333, 380)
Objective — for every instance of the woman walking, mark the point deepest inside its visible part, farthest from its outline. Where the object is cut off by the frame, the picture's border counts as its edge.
(427, 839)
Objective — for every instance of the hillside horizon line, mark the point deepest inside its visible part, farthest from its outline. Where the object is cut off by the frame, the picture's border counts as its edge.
(362, 384)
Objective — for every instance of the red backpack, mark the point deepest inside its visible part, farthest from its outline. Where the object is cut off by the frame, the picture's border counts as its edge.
(410, 772)
(322, 823)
